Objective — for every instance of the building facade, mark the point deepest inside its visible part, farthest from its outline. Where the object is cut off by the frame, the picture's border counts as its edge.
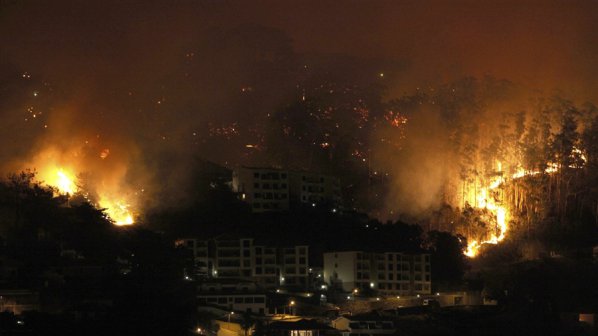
(270, 189)
(389, 273)
(265, 189)
(268, 267)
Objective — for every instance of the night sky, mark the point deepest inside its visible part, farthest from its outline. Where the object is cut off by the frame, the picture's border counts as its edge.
(134, 91)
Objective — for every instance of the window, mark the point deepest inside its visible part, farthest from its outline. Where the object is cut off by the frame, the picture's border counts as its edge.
(256, 185)
(238, 300)
(222, 300)
(258, 300)
(249, 299)
(302, 260)
(258, 270)
(283, 175)
(257, 195)
(390, 276)
(256, 175)
(283, 186)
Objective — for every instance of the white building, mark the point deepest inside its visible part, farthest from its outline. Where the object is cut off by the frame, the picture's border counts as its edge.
(269, 267)
(270, 189)
(389, 273)
(265, 189)
(313, 188)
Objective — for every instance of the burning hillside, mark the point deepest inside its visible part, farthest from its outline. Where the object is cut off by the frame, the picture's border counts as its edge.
(78, 176)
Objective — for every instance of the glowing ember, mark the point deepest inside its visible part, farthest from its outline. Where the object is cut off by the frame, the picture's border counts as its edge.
(118, 211)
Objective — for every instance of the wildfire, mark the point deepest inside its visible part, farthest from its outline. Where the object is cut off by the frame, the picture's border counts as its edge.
(119, 211)
(63, 180)
(485, 201)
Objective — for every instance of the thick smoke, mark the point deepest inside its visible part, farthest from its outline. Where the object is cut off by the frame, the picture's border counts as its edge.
(158, 85)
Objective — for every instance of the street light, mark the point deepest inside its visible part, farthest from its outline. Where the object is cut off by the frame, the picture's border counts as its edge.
(291, 304)
(231, 313)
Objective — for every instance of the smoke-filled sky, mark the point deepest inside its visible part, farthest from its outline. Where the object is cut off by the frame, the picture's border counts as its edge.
(152, 81)
(543, 43)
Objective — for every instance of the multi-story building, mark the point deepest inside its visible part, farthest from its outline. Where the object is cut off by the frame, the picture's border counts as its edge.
(313, 188)
(199, 249)
(265, 189)
(270, 189)
(389, 273)
(233, 258)
(294, 267)
(269, 267)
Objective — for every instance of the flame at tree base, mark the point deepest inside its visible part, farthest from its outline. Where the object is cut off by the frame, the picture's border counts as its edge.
(486, 199)
(118, 211)
(63, 180)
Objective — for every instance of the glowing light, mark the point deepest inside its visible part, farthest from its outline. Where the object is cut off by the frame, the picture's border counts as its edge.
(63, 179)
(486, 199)
(118, 211)
(64, 182)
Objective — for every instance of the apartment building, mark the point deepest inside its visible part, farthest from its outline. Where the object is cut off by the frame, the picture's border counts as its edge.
(265, 189)
(389, 273)
(314, 188)
(294, 267)
(232, 258)
(270, 189)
